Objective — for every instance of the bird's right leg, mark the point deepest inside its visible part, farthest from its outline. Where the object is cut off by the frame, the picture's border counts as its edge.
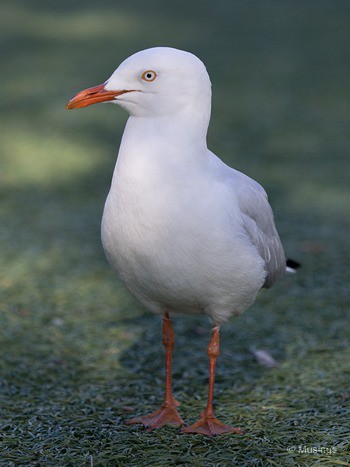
(208, 424)
(167, 414)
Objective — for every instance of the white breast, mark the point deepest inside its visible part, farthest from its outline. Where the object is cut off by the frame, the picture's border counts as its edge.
(174, 234)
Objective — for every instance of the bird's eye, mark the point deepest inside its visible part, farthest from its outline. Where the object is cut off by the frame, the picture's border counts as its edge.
(149, 75)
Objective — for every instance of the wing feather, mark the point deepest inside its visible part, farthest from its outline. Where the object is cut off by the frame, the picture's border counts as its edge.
(259, 224)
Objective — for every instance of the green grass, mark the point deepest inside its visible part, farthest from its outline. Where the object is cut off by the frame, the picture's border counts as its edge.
(78, 354)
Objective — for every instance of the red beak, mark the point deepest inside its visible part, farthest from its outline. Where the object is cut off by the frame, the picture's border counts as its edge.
(93, 96)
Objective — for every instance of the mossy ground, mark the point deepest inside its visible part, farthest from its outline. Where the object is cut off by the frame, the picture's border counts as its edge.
(78, 354)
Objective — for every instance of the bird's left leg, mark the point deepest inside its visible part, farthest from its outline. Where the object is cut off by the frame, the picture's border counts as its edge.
(208, 424)
(167, 414)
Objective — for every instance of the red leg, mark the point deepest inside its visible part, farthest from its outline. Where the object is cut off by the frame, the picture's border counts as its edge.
(208, 424)
(167, 414)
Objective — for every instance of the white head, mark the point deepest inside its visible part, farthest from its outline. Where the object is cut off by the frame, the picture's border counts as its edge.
(160, 81)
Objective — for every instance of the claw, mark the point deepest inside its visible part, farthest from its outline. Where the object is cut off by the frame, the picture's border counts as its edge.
(210, 426)
(166, 415)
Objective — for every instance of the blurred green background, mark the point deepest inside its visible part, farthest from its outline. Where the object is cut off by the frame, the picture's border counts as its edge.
(78, 354)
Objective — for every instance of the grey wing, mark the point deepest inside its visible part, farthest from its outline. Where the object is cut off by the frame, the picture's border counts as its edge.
(259, 224)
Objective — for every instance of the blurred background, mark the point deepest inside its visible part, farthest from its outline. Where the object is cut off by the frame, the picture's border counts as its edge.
(77, 349)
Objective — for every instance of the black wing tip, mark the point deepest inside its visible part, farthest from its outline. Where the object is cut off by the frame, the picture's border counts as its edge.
(290, 263)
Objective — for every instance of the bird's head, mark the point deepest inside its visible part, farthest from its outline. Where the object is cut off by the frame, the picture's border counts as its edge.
(154, 82)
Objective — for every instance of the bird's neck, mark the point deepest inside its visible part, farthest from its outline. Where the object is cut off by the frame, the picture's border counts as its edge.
(181, 133)
(163, 137)
(157, 149)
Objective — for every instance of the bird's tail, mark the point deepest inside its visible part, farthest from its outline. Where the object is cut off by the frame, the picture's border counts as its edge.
(292, 266)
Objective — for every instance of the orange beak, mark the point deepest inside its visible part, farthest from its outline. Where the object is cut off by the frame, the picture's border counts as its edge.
(93, 96)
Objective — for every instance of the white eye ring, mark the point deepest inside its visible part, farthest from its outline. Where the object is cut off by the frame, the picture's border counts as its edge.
(149, 75)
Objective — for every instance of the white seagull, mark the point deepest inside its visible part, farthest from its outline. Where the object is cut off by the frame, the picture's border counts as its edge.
(184, 232)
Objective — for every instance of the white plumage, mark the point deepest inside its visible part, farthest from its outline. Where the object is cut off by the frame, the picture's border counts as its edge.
(185, 232)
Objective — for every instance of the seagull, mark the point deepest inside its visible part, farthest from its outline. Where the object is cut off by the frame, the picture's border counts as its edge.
(184, 232)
